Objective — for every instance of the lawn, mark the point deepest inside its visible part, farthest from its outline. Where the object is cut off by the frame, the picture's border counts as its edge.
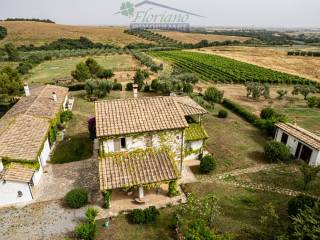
(240, 208)
(234, 143)
(120, 229)
(284, 176)
(48, 71)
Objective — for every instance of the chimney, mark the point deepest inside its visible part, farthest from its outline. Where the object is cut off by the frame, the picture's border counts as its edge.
(135, 90)
(54, 96)
(26, 89)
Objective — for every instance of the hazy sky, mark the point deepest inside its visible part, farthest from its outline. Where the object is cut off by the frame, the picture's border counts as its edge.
(258, 13)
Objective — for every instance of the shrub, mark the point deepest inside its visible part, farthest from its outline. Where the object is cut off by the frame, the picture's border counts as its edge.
(76, 198)
(187, 88)
(313, 102)
(82, 231)
(106, 198)
(129, 87)
(173, 191)
(300, 202)
(222, 113)
(117, 86)
(207, 164)
(212, 94)
(139, 216)
(276, 152)
(151, 214)
(66, 116)
(309, 173)
(267, 113)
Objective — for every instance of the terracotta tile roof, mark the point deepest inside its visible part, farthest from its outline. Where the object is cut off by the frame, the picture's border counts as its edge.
(17, 172)
(24, 127)
(301, 134)
(135, 115)
(128, 170)
(190, 107)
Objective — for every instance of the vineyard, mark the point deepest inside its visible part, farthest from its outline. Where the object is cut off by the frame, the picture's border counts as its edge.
(224, 70)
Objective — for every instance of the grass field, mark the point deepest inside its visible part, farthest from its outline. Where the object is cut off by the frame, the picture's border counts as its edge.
(197, 37)
(294, 106)
(286, 176)
(234, 143)
(38, 33)
(48, 71)
(273, 58)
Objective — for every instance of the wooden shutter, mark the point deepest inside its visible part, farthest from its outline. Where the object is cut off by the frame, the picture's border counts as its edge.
(117, 144)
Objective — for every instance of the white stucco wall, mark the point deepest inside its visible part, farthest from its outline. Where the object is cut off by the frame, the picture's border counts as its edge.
(45, 153)
(9, 192)
(292, 143)
(195, 145)
(37, 176)
(171, 139)
(1, 166)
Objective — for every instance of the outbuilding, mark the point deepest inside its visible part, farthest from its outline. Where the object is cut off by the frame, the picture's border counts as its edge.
(303, 144)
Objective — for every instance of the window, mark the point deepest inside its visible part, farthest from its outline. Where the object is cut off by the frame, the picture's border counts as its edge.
(123, 143)
(284, 138)
(20, 194)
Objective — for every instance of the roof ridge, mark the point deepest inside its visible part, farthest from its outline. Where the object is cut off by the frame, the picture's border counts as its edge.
(305, 131)
(28, 109)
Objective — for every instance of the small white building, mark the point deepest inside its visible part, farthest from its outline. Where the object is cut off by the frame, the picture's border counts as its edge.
(304, 145)
(24, 141)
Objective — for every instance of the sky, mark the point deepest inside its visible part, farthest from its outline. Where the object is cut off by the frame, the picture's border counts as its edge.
(242, 13)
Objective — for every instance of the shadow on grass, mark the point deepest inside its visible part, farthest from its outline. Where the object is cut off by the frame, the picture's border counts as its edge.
(72, 149)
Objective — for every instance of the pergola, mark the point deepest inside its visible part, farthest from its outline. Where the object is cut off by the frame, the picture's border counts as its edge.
(136, 169)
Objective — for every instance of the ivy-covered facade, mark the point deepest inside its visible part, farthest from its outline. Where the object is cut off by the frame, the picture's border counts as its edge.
(26, 141)
(141, 137)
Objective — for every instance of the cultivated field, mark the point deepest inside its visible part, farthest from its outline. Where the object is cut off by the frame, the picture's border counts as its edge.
(225, 70)
(274, 58)
(197, 37)
(49, 71)
(38, 33)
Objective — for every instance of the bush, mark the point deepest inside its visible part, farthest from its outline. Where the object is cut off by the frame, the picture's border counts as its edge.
(300, 202)
(76, 198)
(106, 198)
(212, 94)
(267, 113)
(129, 87)
(66, 116)
(207, 164)
(83, 231)
(139, 216)
(222, 113)
(276, 152)
(151, 214)
(187, 88)
(136, 216)
(117, 86)
(313, 102)
(173, 191)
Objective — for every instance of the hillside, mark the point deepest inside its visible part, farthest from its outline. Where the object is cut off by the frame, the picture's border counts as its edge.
(197, 37)
(38, 33)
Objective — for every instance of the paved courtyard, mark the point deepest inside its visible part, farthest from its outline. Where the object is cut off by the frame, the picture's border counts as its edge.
(47, 219)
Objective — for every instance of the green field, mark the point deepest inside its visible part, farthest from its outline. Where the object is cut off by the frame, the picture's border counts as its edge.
(48, 71)
(225, 70)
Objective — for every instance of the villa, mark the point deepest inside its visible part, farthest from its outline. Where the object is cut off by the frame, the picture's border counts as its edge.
(143, 141)
(26, 140)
